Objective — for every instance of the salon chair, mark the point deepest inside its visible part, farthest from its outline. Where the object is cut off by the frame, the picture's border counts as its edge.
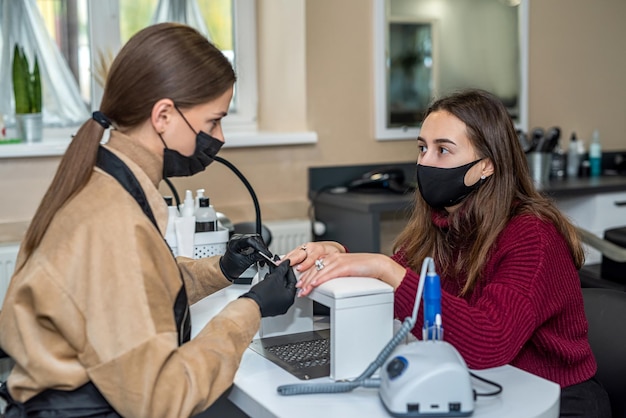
(605, 310)
(595, 275)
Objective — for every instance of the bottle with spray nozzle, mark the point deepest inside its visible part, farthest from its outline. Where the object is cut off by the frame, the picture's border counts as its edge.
(595, 154)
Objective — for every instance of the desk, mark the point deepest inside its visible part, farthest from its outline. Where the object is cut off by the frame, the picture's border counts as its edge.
(354, 218)
(254, 389)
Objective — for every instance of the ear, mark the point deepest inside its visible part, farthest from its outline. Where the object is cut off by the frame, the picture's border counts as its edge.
(161, 114)
(487, 167)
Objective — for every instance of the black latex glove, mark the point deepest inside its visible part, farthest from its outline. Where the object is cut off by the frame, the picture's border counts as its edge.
(274, 294)
(242, 251)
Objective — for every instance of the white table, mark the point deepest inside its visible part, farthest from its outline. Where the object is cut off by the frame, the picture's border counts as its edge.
(254, 390)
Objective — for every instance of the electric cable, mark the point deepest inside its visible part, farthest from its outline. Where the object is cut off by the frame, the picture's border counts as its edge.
(364, 378)
(313, 199)
(255, 200)
(489, 382)
(244, 180)
(174, 191)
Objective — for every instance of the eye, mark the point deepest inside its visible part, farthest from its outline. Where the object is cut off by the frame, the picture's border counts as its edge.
(422, 148)
(443, 150)
(213, 124)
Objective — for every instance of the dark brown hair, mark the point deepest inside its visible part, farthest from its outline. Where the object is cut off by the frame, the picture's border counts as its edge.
(475, 226)
(166, 60)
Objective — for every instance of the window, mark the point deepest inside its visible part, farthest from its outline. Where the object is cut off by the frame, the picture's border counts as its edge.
(85, 33)
(100, 27)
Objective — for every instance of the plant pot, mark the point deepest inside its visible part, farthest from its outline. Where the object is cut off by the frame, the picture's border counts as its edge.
(29, 126)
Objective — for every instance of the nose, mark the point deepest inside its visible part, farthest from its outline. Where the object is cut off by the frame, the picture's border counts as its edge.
(426, 158)
(217, 133)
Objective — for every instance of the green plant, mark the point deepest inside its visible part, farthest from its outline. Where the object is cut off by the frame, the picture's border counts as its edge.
(26, 84)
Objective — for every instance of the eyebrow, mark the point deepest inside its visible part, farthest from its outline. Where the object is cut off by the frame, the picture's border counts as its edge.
(439, 140)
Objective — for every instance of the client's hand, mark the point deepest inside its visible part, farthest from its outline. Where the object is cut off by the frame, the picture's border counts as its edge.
(276, 292)
(337, 265)
(242, 251)
(304, 256)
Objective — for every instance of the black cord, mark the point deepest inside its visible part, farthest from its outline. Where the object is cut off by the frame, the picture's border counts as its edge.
(174, 191)
(489, 382)
(257, 208)
(311, 209)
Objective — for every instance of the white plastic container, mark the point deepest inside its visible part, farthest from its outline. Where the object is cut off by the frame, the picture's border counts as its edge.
(206, 244)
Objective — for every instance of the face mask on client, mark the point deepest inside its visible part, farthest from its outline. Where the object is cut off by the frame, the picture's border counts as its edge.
(445, 187)
(177, 165)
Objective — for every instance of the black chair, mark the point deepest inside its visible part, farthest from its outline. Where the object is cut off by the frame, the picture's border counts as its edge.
(605, 310)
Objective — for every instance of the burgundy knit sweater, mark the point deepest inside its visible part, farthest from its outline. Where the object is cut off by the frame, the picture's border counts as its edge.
(526, 311)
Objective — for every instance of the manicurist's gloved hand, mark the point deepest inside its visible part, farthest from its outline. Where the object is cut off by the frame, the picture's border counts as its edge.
(242, 251)
(276, 293)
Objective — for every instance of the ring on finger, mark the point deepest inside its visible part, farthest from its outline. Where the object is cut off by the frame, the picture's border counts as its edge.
(319, 264)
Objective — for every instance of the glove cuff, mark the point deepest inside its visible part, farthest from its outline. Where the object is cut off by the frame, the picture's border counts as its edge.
(228, 277)
(255, 298)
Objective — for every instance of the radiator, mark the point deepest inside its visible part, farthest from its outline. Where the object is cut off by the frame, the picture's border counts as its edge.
(288, 234)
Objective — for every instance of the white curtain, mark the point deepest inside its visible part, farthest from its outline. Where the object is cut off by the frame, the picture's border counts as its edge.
(182, 11)
(21, 23)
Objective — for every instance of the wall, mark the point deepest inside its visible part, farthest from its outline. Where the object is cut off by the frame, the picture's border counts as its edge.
(576, 70)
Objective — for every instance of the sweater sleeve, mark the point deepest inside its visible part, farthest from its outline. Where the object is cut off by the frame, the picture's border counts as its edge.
(202, 277)
(107, 317)
(518, 292)
(147, 373)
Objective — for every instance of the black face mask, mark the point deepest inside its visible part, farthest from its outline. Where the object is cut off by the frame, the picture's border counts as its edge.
(177, 165)
(445, 187)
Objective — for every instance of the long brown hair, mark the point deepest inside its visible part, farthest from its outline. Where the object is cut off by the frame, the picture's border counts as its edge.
(166, 60)
(475, 226)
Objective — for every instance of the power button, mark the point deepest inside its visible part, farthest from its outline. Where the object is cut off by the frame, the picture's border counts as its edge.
(396, 366)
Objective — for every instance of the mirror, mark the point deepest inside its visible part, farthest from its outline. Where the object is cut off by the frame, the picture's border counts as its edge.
(427, 48)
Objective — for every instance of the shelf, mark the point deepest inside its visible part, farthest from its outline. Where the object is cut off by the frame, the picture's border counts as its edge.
(55, 145)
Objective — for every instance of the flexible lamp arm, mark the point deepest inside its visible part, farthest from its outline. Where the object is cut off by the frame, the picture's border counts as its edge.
(257, 208)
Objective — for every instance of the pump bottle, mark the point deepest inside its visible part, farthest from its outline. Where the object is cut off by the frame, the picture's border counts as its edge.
(206, 217)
